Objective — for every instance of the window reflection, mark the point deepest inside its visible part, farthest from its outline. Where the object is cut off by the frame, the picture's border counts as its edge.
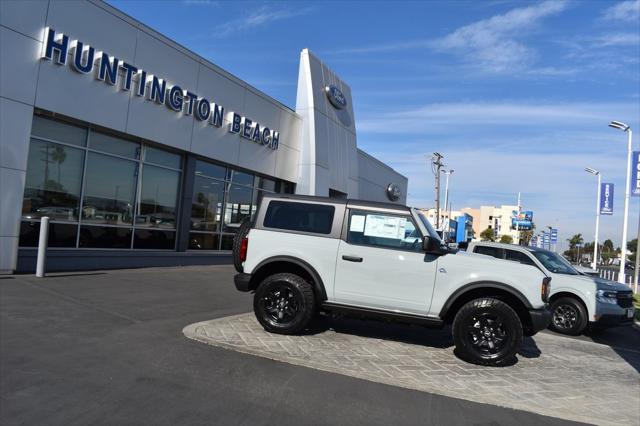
(158, 198)
(238, 207)
(53, 180)
(109, 191)
(208, 195)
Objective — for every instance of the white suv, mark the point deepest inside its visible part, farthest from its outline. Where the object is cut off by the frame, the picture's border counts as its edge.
(310, 254)
(577, 299)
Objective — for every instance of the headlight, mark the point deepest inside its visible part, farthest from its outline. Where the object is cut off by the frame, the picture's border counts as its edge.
(607, 297)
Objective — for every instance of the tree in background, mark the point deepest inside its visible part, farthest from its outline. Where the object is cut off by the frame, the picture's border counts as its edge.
(525, 236)
(487, 235)
(574, 241)
(506, 239)
(632, 246)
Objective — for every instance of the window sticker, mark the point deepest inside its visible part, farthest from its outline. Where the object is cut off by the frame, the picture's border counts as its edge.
(357, 223)
(385, 226)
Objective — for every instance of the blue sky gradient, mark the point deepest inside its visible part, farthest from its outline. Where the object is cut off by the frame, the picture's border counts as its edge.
(516, 95)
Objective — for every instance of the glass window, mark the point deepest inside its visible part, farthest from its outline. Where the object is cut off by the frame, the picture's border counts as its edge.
(154, 239)
(238, 206)
(227, 242)
(53, 181)
(286, 188)
(105, 237)
(554, 262)
(489, 251)
(210, 170)
(60, 234)
(241, 178)
(305, 217)
(206, 208)
(517, 256)
(267, 184)
(157, 205)
(384, 231)
(113, 145)
(109, 190)
(58, 131)
(161, 157)
(203, 241)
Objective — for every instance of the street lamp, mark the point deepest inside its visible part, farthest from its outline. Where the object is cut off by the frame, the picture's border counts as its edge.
(595, 244)
(446, 193)
(625, 128)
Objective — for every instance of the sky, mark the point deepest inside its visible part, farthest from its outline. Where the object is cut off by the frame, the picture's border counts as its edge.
(516, 95)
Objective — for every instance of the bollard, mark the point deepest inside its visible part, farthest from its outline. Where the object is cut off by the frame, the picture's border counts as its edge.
(42, 247)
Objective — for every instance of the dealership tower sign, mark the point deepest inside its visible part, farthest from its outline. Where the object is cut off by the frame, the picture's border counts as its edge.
(116, 72)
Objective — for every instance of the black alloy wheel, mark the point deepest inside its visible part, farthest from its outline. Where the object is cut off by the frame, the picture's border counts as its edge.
(284, 303)
(568, 316)
(487, 331)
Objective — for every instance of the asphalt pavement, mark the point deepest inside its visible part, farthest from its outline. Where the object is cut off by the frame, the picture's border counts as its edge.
(107, 348)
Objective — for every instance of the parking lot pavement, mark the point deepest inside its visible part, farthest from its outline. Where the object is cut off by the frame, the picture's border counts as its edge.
(107, 348)
(567, 378)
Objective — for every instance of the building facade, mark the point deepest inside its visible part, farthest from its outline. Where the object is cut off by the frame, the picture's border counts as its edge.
(143, 153)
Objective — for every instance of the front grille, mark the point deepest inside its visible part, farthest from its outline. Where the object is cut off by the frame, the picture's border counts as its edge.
(625, 299)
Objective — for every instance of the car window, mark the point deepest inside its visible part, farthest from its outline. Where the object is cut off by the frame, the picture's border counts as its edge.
(517, 256)
(305, 217)
(489, 251)
(383, 230)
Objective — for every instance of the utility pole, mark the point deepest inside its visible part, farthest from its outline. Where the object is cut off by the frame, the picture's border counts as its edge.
(436, 165)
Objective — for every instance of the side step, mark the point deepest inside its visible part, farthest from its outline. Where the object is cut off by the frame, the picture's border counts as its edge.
(371, 313)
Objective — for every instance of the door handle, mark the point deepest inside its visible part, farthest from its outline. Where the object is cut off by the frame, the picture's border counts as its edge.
(351, 258)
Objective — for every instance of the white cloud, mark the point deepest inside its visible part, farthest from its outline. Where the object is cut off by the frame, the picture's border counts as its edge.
(262, 16)
(617, 40)
(492, 44)
(627, 11)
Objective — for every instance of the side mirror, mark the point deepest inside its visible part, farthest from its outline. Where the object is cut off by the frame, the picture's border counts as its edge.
(431, 245)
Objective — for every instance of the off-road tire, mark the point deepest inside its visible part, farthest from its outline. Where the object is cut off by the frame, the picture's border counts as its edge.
(297, 313)
(568, 316)
(243, 230)
(474, 319)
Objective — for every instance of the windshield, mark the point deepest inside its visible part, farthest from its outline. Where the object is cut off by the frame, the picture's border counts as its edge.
(555, 263)
(432, 232)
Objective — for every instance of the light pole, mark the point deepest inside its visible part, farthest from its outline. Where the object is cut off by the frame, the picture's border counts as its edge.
(595, 243)
(623, 246)
(446, 193)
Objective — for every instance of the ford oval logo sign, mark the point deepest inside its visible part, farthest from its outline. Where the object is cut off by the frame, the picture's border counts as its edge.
(335, 96)
(393, 192)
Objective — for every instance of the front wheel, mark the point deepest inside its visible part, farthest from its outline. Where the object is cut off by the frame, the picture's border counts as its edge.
(284, 303)
(487, 331)
(568, 316)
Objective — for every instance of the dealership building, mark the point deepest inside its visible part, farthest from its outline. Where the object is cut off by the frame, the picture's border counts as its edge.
(143, 153)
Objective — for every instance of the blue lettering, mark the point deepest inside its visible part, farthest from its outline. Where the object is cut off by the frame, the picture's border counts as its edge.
(158, 89)
(275, 138)
(203, 110)
(256, 133)
(192, 98)
(130, 70)
(266, 136)
(246, 130)
(108, 71)
(78, 49)
(175, 99)
(142, 83)
(234, 126)
(217, 115)
(56, 43)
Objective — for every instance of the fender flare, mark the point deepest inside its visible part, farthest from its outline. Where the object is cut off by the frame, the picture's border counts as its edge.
(483, 284)
(317, 283)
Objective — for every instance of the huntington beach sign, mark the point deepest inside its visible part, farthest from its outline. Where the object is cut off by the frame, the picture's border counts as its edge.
(84, 59)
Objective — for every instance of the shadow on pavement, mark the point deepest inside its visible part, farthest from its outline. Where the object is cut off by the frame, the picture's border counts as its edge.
(625, 341)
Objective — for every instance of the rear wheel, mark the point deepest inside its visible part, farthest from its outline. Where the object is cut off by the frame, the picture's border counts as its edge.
(568, 316)
(284, 303)
(487, 331)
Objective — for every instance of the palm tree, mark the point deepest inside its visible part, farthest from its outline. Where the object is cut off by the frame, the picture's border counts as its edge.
(59, 155)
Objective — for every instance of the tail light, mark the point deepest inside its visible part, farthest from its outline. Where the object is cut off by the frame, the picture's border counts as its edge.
(244, 244)
(545, 289)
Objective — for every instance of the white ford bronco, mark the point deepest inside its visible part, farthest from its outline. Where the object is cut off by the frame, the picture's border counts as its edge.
(577, 300)
(303, 255)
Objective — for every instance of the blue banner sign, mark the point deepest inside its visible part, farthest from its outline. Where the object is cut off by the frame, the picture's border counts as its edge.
(635, 174)
(606, 198)
(554, 235)
(546, 238)
(522, 220)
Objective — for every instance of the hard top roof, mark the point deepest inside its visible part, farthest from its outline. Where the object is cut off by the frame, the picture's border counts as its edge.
(509, 246)
(344, 201)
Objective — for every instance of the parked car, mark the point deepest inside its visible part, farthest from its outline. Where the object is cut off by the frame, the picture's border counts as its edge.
(381, 260)
(577, 300)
